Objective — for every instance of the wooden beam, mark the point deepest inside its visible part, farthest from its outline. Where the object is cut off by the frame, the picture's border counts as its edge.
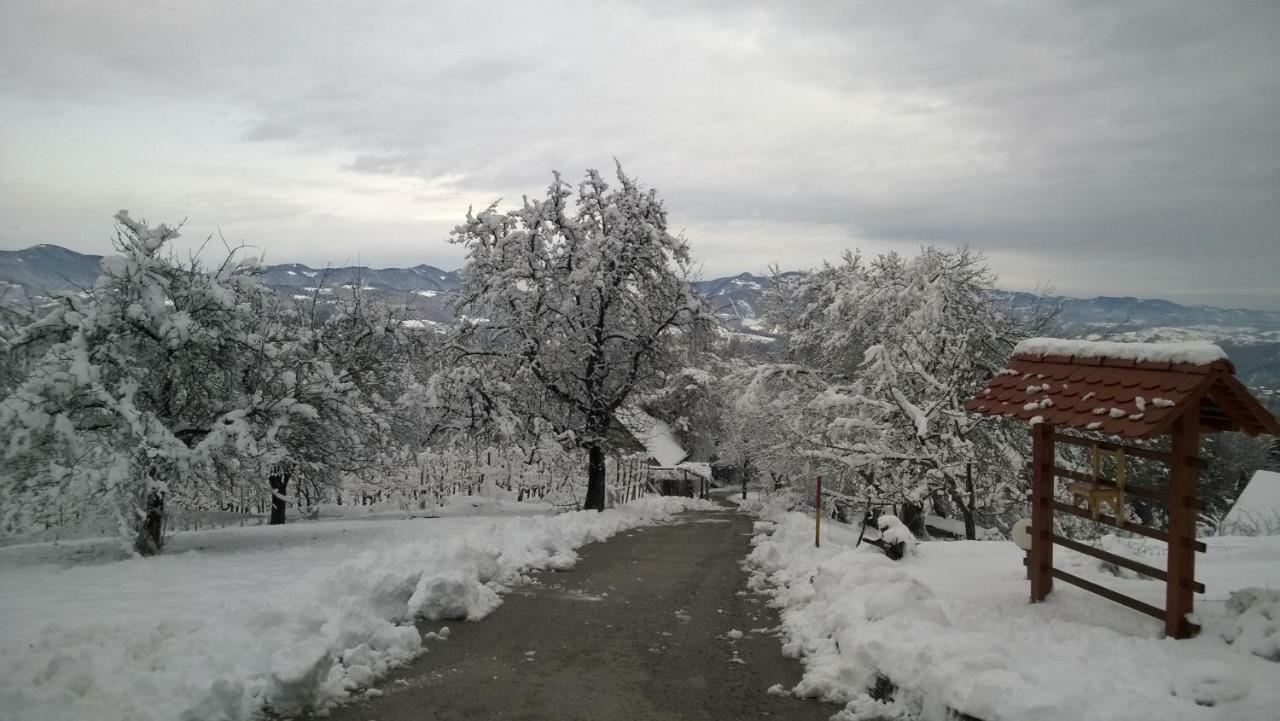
(1042, 455)
(1129, 488)
(1162, 456)
(1106, 520)
(1117, 560)
(1179, 593)
(1108, 594)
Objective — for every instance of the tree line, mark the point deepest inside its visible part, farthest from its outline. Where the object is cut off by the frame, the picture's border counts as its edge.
(170, 382)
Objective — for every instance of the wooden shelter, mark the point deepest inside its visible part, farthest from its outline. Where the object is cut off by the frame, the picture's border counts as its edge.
(1125, 390)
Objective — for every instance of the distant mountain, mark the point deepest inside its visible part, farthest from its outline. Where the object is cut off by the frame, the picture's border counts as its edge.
(738, 300)
(1090, 314)
(45, 269)
(1250, 337)
(419, 277)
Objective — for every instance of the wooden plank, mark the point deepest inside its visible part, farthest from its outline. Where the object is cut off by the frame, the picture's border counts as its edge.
(1136, 528)
(1179, 596)
(1162, 456)
(1041, 511)
(1108, 594)
(1129, 488)
(1121, 561)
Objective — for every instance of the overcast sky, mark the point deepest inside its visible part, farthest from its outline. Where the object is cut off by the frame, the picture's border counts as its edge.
(1100, 148)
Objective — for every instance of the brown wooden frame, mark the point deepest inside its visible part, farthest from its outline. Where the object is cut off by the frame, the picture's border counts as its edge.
(1201, 398)
(1178, 575)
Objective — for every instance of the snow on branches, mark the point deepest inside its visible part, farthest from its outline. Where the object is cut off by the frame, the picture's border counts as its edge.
(888, 352)
(168, 379)
(583, 295)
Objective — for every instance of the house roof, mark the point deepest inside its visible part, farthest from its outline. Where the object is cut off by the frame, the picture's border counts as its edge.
(1258, 504)
(1124, 389)
(655, 435)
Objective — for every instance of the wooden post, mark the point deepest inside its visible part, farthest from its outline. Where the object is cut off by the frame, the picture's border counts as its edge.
(1179, 593)
(1042, 458)
(817, 516)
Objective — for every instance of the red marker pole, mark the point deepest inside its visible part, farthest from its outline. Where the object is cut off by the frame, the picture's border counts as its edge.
(817, 516)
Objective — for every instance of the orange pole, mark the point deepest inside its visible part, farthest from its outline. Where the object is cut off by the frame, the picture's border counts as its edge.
(817, 517)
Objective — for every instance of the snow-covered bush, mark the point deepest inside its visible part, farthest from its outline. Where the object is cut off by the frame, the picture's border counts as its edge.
(895, 533)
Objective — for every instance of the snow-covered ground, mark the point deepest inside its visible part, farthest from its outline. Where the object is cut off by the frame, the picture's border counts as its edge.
(950, 626)
(229, 621)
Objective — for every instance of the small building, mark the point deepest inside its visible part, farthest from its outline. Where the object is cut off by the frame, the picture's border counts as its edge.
(671, 471)
(653, 435)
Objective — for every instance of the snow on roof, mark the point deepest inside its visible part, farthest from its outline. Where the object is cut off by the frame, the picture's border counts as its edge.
(656, 436)
(697, 468)
(1190, 352)
(1259, 503)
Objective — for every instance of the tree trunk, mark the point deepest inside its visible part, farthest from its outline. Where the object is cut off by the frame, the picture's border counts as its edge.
(151, 533)
(279, 481)
(595, 478)
(912, 517)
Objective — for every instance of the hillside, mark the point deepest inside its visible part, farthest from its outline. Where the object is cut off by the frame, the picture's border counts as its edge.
(1251, 337)
(44, 269)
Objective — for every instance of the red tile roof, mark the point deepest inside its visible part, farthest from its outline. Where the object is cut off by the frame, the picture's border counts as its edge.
(1121, 397)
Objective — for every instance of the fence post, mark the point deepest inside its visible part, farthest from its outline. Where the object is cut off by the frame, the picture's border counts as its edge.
(817, 516)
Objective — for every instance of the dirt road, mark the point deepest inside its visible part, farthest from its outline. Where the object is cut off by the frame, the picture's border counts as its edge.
(644, 627)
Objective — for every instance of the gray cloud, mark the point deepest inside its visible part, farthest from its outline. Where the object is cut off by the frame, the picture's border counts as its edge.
(1110, 148)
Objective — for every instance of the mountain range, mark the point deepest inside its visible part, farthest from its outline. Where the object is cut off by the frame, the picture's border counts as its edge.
(1250, 337)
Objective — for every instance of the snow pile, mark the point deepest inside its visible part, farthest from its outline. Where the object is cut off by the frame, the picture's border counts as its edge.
(895, 531)
(288, 617)
(949, 631)
(1252, 623)
(1191, 352)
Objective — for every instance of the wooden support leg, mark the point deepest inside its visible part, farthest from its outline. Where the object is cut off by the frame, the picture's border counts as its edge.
(1041, 511)
(1179, 593)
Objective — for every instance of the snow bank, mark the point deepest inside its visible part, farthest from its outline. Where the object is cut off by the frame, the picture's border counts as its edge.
(949, 630)
(1252, 622)
(291, 617)
(1191, 352)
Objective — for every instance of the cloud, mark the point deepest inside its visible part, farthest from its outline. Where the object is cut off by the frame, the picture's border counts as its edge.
(1066, 139)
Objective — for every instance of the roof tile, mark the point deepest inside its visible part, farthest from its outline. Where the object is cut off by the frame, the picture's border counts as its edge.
(1079, 386)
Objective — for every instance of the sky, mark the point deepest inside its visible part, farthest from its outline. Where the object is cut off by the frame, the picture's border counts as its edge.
(1089, 148)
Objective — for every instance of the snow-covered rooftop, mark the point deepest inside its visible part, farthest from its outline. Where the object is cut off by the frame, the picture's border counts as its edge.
(655, 435)
(1190, 352)
(1258, 504)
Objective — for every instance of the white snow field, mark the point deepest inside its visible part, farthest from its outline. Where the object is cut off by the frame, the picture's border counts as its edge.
(226, 622)
(950, 625)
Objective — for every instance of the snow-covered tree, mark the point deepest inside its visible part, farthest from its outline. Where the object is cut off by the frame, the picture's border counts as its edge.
(348, 362)
(897, 346)
(691, 402)
(169, 380)
(577, 297)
